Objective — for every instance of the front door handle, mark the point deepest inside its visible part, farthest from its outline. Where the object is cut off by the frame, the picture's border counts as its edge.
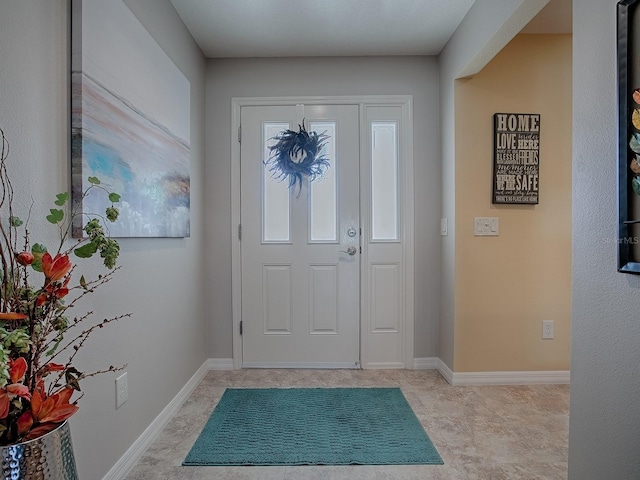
(350, 251)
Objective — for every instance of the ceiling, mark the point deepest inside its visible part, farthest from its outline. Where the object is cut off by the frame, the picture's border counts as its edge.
(294, 28)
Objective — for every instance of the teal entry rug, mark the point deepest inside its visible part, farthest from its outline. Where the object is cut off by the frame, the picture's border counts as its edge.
(313, 426)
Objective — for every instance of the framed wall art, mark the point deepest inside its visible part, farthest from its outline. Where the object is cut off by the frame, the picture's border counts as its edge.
(516, 158)
(628, 18)
(130, 122)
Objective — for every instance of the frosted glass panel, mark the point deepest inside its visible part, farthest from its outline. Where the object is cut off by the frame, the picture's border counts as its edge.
(384, 181)
(323, 204)
(275, 194)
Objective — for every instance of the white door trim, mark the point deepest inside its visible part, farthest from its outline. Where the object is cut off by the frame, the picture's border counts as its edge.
(406, 102)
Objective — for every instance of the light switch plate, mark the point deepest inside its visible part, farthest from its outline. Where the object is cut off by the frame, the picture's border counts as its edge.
(486, 226)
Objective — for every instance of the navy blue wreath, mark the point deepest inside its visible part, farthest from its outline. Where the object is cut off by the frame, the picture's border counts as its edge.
(297, 155)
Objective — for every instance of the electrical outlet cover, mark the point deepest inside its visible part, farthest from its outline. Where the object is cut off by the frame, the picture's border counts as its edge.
(547, 329)
(122, 390)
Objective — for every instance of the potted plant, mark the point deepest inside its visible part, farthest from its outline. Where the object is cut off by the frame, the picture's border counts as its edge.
(39, 337)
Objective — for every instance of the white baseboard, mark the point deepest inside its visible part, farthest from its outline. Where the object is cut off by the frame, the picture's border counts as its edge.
(434, 363)
(219, 364)
(445, 371)
(426, 363)
(559, 377)
(126, 463)
(307, 365)
(491, 378)
(384, 366)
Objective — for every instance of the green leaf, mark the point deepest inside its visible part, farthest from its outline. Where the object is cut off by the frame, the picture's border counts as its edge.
(86, 251)
(15, 221)
(61, 198)
(94, 180)
(38, 248)
(55, 346)
(635, 183)
(83, 282)
(56, 216)
(114, 197)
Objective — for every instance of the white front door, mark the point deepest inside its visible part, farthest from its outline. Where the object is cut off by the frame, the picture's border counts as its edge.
(300, 245)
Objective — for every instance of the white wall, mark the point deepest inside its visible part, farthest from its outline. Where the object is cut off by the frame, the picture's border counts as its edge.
(417, 76)
(604, 432)
(161, 281)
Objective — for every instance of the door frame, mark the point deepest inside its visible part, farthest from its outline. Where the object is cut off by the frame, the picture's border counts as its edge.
(406, 187)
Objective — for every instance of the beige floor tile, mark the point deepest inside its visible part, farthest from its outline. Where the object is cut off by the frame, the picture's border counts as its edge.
(483, 433)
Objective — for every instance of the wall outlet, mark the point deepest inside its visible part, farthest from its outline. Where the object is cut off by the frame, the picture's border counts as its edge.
(122, 391)
(547, 329)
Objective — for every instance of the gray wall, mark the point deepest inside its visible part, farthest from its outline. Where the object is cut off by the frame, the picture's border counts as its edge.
(417, 76)
(161, 281)
(164, 342)
(604, 433)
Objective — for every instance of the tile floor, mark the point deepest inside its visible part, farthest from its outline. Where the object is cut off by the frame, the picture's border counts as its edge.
(481, 432)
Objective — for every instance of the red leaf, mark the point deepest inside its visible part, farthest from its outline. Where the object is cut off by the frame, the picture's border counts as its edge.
(12, 316)
(60, 414)
(41, 430)
(41, 300)
(24, 422)
(56, 268)
(4, 404)
(47, 407)
(62, 292)
(17, 369)
(63, 396)
(20, 390)
(36, 402)
(53, 367)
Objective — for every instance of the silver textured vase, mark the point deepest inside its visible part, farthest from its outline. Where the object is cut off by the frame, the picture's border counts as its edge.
(49, 457)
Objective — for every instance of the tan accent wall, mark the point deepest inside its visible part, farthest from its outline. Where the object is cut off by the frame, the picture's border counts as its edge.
(506, 285)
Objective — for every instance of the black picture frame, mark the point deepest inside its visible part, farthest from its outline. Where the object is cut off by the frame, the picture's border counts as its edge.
(628, 52)
(516, 158)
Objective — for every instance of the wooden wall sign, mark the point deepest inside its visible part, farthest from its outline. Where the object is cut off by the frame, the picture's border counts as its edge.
(516, 157)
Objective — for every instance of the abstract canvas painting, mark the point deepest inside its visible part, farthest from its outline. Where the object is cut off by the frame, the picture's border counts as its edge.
(130, 122)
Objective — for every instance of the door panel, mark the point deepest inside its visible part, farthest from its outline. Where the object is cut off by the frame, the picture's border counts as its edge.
(387, 280)
(300, 287)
